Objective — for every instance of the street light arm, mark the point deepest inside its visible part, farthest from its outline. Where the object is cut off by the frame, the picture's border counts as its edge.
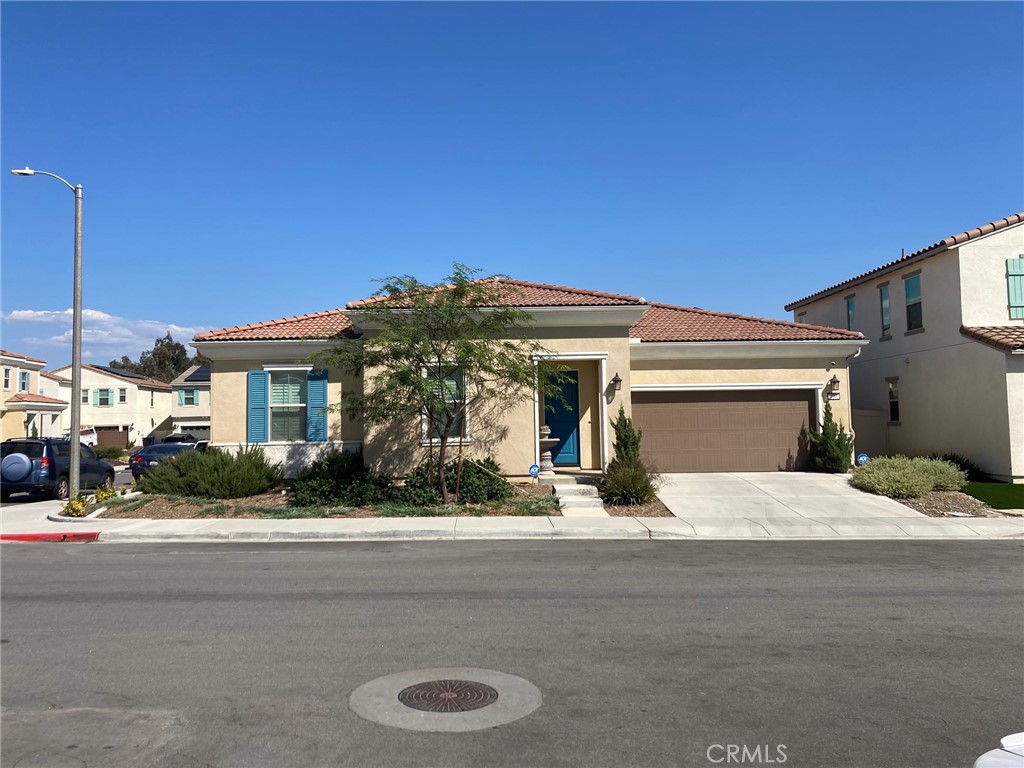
(47, 173)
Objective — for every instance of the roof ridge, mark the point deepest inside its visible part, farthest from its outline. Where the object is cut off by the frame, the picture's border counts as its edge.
(938, 247)
(570, 289)
(757, 319)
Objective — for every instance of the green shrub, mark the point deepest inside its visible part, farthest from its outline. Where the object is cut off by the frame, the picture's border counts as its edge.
(945, 475)
(831, 447)
(628, 480)
(214, 474)
(109, 452)
(339, 477)
(975, 474)
(481, 481)
(896, 477)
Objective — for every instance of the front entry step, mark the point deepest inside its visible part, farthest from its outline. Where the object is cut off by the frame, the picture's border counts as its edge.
(577, 496)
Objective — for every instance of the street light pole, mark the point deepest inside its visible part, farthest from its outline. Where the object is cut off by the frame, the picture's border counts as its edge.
(74, 479)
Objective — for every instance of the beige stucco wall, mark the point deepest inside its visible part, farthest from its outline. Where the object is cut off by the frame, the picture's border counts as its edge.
(12, 423)
(141, 412)
(182, 415)
(749, 372)
(982, 267)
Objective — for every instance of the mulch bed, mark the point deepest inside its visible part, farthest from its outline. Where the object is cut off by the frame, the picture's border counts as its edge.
(944, 503)
(650, 509)
(164, 508)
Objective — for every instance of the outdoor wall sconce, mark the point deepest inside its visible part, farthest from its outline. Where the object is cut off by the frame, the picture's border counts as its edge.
(617, 381)
(833, 383)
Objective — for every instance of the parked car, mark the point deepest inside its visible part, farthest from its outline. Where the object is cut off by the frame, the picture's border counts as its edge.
(179, 438)
(87, 436)
(1009, 755)
(43, 465)
(151, 456)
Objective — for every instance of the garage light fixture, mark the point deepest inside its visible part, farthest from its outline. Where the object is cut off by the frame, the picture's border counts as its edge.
(617, 381)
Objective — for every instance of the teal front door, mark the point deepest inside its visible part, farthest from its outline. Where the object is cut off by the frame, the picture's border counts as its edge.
(565, 423)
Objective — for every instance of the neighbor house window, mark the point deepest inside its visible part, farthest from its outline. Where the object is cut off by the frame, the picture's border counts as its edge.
(188, 397)
(152, 398)
(85, 397)
(883, 304)
(23, 381)
(451, 397)
(1015, 287)
(7, 378)
(286, 404)
(103, 397)
(801, 317)
(912, 291)
(894, 400)
(122, 395)
(851, 312)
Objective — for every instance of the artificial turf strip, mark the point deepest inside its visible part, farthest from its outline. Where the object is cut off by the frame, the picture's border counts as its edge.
(998, 495)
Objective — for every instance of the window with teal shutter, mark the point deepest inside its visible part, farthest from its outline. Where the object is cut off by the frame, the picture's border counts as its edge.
(1015, 287)
(256, 423)
(316, 406)
(181, 397)
(288, 406)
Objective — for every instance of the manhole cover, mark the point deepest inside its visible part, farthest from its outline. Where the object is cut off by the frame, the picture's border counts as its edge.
(448, 696)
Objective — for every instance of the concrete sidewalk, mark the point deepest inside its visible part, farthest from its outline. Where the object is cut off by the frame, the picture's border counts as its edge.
(32, 519)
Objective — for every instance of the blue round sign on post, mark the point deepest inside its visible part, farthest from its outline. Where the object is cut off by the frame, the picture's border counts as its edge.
(862, 459)
(534, 470)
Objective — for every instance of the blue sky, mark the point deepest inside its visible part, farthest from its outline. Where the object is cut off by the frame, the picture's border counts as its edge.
(243, 162)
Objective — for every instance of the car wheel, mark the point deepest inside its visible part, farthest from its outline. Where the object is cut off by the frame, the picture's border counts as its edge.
(60, 490)
(108, 480)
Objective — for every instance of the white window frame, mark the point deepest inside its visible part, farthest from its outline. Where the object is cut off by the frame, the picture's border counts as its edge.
(194, 394)
(884, 308)
(24, 381)
(122, 395)
(301, 372)
(109, 393)
(427, 438)
(851, 312)
(7, 378)
(85, 397)
(919, 301)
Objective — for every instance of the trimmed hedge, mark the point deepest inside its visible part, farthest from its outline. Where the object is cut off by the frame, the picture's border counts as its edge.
(899, 477)
(214, 474)
(339, 478)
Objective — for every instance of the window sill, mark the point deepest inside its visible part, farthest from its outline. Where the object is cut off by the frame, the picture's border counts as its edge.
(913, 332)
(453, 441)
(893, 423)
(885, 338)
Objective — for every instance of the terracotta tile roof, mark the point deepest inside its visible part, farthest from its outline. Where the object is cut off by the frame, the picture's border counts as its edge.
(55, 377)
(30, 359)
(1006, 338)
(931, 250)
(664, 322)
(519, 293)
(317, 325)
(29, 397)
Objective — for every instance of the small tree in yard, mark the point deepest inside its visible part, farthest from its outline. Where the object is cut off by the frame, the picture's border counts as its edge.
(832, 448)
(439, 352)
(628, 480)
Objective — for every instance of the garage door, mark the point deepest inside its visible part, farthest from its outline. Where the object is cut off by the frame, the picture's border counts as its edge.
(759, 431)
(111, 437)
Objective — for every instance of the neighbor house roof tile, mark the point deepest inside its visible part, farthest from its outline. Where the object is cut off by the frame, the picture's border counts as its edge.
(665, 322)
(29, 397)
(519, 293)
(316, 325)
(950, 242)
(1006, 338)
(29, 358)
(48, 375)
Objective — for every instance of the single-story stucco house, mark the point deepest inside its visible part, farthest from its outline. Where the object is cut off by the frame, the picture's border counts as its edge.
(711, 391)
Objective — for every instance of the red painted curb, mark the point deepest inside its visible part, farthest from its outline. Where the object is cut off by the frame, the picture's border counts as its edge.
(74, 536)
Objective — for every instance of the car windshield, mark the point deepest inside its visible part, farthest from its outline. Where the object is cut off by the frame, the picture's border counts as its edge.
(30, 449)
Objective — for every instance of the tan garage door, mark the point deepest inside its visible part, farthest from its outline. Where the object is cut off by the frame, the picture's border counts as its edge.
(758, 431)
(111, 437)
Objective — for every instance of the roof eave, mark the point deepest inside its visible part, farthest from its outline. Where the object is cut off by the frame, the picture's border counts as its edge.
(758, 350)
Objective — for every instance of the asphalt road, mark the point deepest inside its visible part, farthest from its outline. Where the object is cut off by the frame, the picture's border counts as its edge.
(846, 654)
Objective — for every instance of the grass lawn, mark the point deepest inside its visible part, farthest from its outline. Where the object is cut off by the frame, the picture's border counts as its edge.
(998, 495)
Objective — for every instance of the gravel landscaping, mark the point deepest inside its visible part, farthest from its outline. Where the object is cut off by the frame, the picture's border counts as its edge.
(950, 504)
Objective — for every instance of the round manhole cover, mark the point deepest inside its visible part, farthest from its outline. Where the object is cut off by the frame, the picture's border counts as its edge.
(448, 696)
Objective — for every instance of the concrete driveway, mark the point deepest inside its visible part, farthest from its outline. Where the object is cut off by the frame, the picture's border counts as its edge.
(782, 504)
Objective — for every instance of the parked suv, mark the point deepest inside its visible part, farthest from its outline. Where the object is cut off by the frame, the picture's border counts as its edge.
(42, 465)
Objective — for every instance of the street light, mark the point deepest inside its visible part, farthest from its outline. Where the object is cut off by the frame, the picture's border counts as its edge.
(76, 336)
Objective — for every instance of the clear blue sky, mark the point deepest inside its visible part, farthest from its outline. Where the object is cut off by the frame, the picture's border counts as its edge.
(243, 162)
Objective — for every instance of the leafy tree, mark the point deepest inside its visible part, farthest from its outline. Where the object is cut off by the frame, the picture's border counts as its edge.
(167, 360)
(832, 447)
(439, 352)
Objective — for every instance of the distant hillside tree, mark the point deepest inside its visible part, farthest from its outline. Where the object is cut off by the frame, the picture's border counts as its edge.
(167, 360)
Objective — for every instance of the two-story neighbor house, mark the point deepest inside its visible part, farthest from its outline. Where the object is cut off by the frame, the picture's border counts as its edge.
(25, 407)
(190, 403)
(712, 391)
(944, 371)
(123, 407)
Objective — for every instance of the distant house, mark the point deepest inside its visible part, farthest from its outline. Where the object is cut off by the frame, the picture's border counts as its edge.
(27, 408)
(711, 391)
(125, 408)
(190, 403)
(945, 369)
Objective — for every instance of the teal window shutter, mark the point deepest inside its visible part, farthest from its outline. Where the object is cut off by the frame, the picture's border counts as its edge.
(256, 426)
(316, 407)
(195, 397)
(95, 397)
(181, 397)
(1015, 287)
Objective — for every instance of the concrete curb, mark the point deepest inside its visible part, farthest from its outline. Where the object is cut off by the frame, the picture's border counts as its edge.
(70, 537)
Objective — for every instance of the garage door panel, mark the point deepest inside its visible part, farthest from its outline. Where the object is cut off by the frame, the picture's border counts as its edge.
(725, 431)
